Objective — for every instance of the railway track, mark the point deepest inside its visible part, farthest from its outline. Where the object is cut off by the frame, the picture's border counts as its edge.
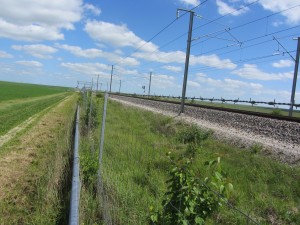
(252, 113)
(278, 134)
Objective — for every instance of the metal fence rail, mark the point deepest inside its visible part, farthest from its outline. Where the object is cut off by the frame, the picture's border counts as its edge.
(75, 192)
(222, 100)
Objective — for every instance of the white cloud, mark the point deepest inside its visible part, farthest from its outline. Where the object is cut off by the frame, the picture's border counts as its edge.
(228, 86)
(87, 68)
(89, 7)
(192, 84)
(190, 2)
(200, 75)
(36, 20)
(283, 63)
(224, 8)
(179, 57)
(212, 61)
(78, 51)
(4, 54)
(98, 53)
(173, 68)
(116, 35)
(38, 50)
(250, 71)
(292, 16)
(30, 63)
(163, 81)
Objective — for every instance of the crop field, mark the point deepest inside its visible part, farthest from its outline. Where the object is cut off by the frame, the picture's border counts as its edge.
(141, 152)
(13, 91)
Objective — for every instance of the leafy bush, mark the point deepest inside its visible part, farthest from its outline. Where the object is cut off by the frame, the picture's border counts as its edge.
(189, 200)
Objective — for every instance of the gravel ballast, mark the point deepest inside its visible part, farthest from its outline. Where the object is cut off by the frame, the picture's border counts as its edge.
(278, 138)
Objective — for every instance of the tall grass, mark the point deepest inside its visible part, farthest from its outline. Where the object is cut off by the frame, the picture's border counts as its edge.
(135, 169)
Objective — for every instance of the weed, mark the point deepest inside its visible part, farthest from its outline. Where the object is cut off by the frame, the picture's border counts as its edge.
(256, 148)
(193, 134)
(164, 126)
(99, 95)
(277, 112)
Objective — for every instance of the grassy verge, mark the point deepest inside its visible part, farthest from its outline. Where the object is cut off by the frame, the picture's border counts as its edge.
(135, 170)
(35, 188)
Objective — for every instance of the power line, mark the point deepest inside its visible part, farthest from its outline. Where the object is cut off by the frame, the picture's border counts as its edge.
(163, 29)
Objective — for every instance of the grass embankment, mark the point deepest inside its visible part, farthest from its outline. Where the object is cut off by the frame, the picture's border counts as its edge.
(11, 91)
(135, 169)
(35, 171)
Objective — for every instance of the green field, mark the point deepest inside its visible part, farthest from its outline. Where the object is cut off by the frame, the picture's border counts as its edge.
(135, 170)
(11, 91)
(13, 114)
(19, 101)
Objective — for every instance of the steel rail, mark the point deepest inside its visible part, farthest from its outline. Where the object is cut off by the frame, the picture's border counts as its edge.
(75, 191)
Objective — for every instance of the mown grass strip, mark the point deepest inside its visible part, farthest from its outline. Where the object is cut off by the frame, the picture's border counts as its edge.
(17, 113)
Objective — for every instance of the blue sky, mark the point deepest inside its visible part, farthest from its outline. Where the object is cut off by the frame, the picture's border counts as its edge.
(240, 49)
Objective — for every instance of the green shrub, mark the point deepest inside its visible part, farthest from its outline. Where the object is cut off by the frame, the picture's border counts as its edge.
(190, 200)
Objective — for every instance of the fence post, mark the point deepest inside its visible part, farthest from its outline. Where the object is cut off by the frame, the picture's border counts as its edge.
(102, 134)
(75, 191)
(90, 112)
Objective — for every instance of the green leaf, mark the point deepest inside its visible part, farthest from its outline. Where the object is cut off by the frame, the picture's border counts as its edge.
(199, 220)
(222, 188)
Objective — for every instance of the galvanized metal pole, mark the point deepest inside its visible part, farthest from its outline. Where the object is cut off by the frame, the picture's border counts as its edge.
(295, 79)
(111, 74)
(97, 82)
(120, 86)
(149, 84)
(91, 108)
(187, 59)
(75, 192)
(102, 133)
